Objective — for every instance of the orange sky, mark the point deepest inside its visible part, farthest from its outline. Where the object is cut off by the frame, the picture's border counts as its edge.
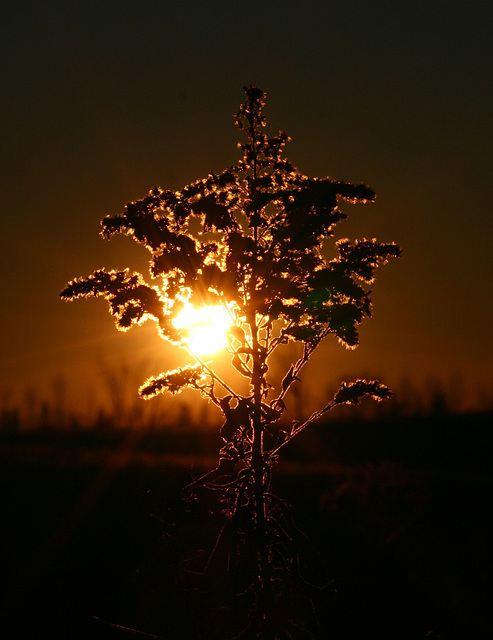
(102, 102)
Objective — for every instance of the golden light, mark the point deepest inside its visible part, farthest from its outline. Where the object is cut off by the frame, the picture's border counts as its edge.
(205, 328)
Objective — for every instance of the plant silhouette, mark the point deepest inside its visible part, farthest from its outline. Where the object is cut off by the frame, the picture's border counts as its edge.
(252, 240)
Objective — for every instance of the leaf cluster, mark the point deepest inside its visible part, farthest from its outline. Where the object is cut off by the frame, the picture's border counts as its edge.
(174, 381)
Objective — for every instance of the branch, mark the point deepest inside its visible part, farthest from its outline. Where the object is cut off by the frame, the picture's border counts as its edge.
(212, 374)
(292, 374)
(348, 393)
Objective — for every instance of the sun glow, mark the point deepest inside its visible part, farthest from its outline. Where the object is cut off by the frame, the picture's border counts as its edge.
(205, 328)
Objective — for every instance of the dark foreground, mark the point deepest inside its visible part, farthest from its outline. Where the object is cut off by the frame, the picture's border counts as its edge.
(397, 518)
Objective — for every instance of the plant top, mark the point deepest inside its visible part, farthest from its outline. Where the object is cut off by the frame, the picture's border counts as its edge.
(252, 240)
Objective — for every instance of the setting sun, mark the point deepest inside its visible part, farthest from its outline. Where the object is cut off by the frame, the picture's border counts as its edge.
(205, 328)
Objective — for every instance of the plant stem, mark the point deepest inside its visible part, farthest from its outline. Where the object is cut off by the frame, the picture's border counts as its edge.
(264, 592)
(258, 444)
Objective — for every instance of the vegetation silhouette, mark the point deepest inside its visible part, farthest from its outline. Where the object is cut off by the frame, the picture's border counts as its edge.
(252, 239)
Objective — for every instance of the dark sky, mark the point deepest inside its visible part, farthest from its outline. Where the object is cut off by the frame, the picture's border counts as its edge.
(103, 100)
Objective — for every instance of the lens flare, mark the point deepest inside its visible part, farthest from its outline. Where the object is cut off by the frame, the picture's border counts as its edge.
(205, 329)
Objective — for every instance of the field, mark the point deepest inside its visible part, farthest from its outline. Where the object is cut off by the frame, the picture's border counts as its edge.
(397, 517)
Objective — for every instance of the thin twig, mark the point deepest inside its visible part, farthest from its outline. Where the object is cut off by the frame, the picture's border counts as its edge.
(123, 628)
(212, 373)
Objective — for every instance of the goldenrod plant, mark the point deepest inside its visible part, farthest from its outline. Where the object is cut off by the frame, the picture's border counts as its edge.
(238, 263)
